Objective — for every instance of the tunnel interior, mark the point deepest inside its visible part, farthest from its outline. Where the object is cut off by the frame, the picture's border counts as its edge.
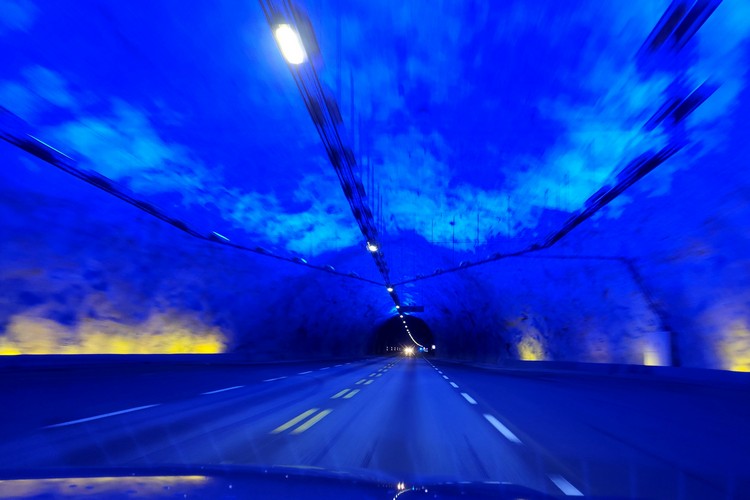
(591, 210)
(212, 220)
(392, 335)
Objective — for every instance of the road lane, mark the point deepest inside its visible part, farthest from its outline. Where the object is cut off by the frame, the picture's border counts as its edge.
(635, 437)
(403, 419)
(177, 398)
(48, 395)
(409, 418)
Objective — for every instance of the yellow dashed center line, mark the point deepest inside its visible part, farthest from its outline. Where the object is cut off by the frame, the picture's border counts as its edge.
(339, 394)
(351, 394)
(317, 418)
(299, 418)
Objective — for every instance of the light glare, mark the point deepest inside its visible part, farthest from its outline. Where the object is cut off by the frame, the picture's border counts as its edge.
(290, 44)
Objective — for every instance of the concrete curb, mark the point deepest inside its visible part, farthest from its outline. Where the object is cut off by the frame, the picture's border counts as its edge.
(565, 368)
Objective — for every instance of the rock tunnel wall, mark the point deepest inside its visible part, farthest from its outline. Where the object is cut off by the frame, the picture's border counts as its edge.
(82, 272)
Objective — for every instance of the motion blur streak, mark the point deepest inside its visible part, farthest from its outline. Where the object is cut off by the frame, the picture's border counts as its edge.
(197, 203)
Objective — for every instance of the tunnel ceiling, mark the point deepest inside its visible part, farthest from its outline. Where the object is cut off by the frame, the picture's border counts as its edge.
(476, 128)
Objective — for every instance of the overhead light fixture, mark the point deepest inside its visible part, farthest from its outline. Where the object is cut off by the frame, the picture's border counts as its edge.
(400, 315)
(219, 236)
(372, 247)
(390, 289)
(290, 44)
(398, 306)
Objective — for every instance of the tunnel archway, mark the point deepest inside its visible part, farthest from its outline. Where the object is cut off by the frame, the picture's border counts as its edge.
(390, 336)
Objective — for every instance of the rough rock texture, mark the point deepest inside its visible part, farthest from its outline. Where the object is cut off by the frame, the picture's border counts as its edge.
(82, 272)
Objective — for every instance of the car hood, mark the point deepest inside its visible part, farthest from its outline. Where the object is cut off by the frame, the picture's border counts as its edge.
(237, 482)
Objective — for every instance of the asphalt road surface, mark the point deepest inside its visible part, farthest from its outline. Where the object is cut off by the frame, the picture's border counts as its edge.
(409, 418)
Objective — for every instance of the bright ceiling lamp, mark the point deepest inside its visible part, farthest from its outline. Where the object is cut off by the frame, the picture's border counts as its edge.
(290, 44)
(390, 289)
(372, 247)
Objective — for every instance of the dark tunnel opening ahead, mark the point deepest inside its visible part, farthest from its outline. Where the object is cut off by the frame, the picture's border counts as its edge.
(391, 335)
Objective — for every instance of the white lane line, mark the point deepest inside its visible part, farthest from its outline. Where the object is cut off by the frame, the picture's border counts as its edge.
(455, 385)
(97, 417)
(469, 398)
(272, 379)
(299, 418)
(351, 394)
(226, 389)
(446, 378)
(317, 418)
(305, 373)
(327, 367)
(361, 381)
(340, 393)
(502, 429)
(369, 382)
(565, 486)
(337, 366)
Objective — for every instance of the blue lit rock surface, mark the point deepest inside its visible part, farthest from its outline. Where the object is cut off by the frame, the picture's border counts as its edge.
(461, 158)
(115, 280)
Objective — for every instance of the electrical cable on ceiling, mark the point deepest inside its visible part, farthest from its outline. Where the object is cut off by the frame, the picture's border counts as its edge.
(325, 114)
(16, 132)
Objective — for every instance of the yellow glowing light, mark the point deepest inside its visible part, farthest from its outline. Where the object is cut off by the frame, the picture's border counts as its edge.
(95, 486)
(161, 333)
(651, 358)
(530, 347)
(734, 348)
